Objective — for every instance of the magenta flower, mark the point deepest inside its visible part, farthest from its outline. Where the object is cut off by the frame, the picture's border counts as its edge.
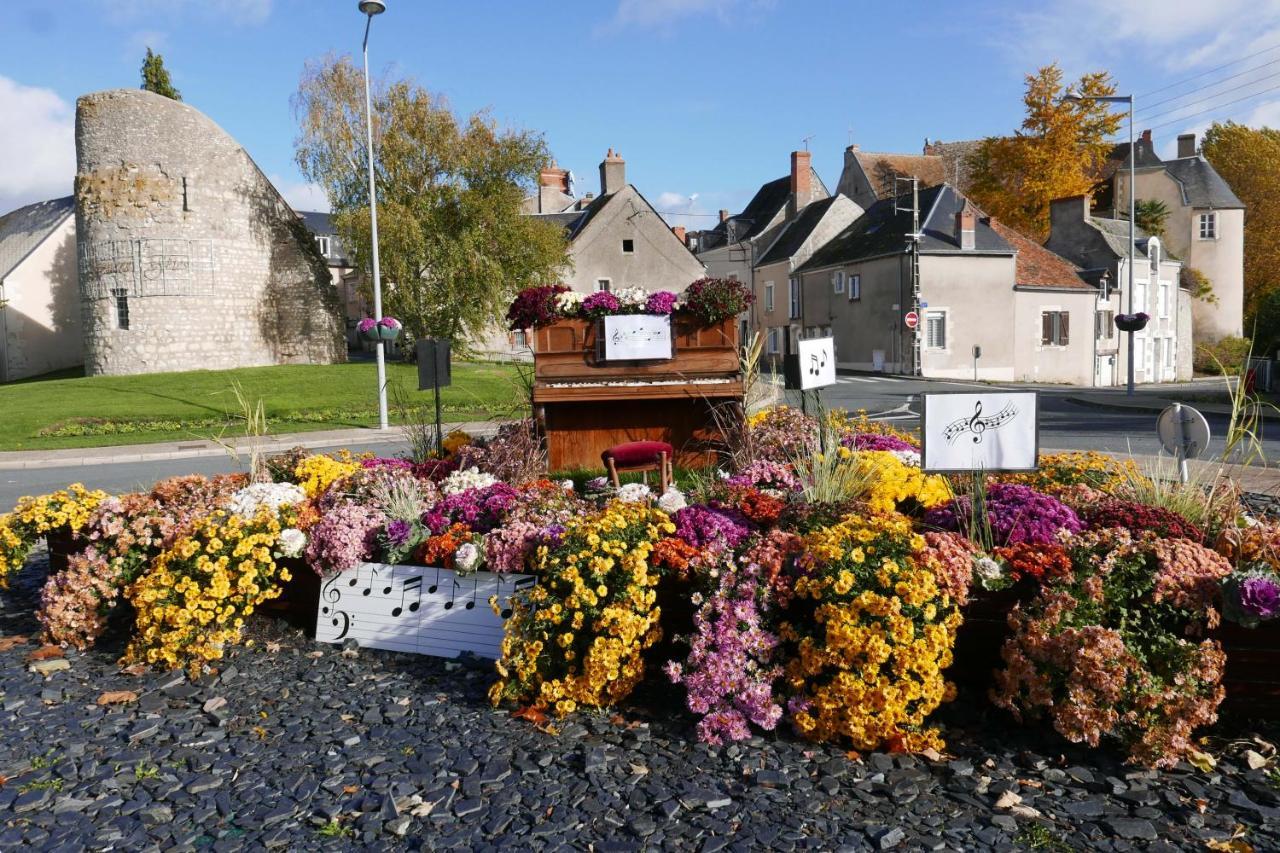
(600, 304)
(660, 302)
(368, 324)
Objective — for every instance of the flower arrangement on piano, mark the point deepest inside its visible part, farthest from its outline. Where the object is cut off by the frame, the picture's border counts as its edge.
(708, 301)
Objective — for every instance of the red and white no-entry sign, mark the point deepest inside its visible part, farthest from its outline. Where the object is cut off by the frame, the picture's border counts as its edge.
(912, 319)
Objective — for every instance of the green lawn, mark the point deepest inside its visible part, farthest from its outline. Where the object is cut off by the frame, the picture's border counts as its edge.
(65, 411)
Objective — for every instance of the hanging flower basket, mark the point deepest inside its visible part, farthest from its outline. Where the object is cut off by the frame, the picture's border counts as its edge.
(1132, 322)
(385, 329)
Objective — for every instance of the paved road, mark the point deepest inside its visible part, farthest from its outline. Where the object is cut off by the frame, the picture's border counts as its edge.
(1065, 424)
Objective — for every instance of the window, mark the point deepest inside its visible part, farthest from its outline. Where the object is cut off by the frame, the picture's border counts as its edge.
(1208, 226)
(793, 303)
(837, 282)
(186, 199)
(1164, 299)
(768, 296)
(628, 247)
(604, 284)
(774, 349)
(733, 276)
(521, 339)
(1140, 354)
(122, 308)
(935, 330)
(1168, 353)
(1054, 328)
(855, 286)
(323, 243)
(1103, 324)
(1140, 296)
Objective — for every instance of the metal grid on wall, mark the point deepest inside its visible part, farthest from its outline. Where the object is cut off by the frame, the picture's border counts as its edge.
(149, 266)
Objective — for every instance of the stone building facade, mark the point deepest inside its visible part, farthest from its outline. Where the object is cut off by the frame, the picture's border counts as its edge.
(189, 258)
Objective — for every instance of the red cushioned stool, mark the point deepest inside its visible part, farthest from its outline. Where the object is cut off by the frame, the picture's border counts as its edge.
(644, 456)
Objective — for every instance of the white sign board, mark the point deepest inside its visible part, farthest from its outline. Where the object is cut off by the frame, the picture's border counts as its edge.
(996, 431)
(637, 337)
(427, 611)
(817, 363)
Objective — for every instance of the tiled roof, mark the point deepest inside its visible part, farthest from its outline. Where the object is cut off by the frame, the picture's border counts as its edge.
(955, 158)
(24, 229)
(797, 231)
(881, 168)
(1036, 266)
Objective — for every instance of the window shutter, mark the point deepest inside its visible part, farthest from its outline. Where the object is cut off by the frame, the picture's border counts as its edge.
(1046, 329)
(1065, 327)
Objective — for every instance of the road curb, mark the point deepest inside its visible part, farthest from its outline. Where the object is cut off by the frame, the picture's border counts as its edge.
(1205, 408)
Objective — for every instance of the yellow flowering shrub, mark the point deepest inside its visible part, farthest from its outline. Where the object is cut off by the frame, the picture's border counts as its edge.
(66, 509)
(857, 423)
(455, 441)
(1060, 471)
(578, 636)
(195, 597)
(316, 473)
(893, 483)
(872, 633)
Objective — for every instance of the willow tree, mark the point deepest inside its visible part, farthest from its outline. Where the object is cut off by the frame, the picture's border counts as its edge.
(1059, 151)
(453, 245)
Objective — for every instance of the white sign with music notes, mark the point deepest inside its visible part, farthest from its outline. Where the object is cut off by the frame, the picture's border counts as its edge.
(817, 362)
(997, 431)
(637, 337)
(427, 611)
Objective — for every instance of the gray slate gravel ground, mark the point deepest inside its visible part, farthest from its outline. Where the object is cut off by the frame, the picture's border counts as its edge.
(307, 748)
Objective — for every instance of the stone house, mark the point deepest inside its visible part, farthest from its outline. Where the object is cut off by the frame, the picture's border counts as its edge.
(1163, 350)
(1205, 227)
(869, 176)
(993, 304)
(39, 291)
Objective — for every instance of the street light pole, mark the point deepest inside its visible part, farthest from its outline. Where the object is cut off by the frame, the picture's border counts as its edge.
(370, 8)
(1072, 95)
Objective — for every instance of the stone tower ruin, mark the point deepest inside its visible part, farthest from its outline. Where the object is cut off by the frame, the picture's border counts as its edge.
(189, 257)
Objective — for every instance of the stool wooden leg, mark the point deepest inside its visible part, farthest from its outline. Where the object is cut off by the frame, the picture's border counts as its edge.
(613, 474)
(664, 463)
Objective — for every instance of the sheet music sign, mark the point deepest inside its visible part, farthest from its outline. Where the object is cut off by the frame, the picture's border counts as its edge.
(427, 611)
(980, 432)
(637, 337)
(814, 366)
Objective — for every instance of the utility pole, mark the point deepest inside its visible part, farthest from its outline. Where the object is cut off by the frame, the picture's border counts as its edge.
(913, 249)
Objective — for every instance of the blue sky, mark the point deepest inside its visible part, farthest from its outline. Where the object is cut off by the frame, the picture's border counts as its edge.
(704, 98)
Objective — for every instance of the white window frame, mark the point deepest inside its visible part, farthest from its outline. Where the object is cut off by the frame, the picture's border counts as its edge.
(793, 298)
(1140, 296)
(1169, 349)
(930, 315)
(768, 296)
(1140, 353)
(1162, 299)
(604, 285)
(837, 281)
(772, 347)
(1207, 225)
(323, 243)
(855, 286)
(1055, 337)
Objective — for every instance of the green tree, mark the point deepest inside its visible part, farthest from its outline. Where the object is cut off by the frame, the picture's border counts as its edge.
(453, 245)
(155, 77)
(1150, 215)
(1248, 159)
(1059, 151)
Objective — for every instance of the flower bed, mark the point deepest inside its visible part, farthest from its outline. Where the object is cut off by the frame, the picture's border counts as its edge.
(837, 595)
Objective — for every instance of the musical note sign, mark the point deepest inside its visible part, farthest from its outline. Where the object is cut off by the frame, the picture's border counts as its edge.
(817, 363)
(637, 337)
(418, 609)
(980, 432)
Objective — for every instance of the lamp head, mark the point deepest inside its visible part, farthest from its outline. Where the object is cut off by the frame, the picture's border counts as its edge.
(1072, 95)
(372, 7)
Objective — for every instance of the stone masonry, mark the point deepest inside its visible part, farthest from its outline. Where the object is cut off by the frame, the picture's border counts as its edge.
(189, 257)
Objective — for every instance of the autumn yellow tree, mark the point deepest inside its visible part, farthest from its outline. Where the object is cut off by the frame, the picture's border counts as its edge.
(1059, 151)
(1248, 159)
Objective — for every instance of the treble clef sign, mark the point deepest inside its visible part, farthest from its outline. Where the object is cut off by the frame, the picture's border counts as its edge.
(977, 425)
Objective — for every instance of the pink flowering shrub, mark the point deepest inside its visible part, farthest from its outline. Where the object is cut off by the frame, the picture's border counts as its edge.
(1108, 651)
(950, 557)
(780, 434)
(345, 536)
(515, 455)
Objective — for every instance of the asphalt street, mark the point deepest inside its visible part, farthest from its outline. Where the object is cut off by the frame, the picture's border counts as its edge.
(1064, 424)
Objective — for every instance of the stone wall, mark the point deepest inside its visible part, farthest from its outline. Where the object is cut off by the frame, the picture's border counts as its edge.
(179, 231)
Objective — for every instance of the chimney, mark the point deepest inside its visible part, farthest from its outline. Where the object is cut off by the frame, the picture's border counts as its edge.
(966, 228)
(1186, 145)
(801, 181)
(553, 183)
(613, 173)
(724, 215)
(679, 231)
(1146, 138)
(1068, 211)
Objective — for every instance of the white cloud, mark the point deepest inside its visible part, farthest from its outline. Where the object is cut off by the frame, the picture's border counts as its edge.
(681, 209)
(300, 194)
(37, 149)
(238, 12)
(663, 14)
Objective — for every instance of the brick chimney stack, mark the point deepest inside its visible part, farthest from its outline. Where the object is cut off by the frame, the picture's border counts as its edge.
(801, 181)
(1186, 145)
(613, 173)
(1146, 138)
(553, 184)
(966, 228)
(724, 215)
(679, 231)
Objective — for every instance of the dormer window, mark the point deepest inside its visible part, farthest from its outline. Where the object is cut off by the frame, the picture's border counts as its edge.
(323, 243)
(1153, 253)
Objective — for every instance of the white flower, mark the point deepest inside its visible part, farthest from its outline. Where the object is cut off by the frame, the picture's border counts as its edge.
(567, 485)
(597, 484)
(672, 500)
(466, 558)
(569, 301)
(634, 493)
(467, 478)
(631, 297)
(987, 569)
(246, 502)
(292, 541)
(907, 457)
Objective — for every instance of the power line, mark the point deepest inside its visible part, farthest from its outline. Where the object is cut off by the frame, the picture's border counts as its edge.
(1190, 104)
(1215, 108)
(1208, 86)
(1210, 71)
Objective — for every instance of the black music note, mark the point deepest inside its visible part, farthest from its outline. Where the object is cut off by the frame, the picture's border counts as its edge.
(978, 425)
(414, 584)
(453, 595)
(526, 582)
(373, 576)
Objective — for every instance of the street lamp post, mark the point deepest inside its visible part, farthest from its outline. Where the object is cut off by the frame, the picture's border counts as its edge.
(369, 8)
(1133, 161)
